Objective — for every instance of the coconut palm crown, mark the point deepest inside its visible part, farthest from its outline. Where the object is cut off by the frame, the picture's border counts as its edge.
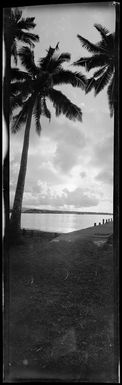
(37, 84)
(16, 28)
(103, 56)
(29, 92)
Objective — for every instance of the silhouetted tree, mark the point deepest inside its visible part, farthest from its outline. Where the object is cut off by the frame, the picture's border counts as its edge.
(103, 56)
(29, 91)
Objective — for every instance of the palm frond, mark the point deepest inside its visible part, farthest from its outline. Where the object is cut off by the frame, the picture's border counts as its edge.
(46, 111)
(44, 62)
(16, 14)
(97, 60)
(111, 44)
(76, 79)
(99, 72)
(102, 30)
(27, 59)
(38, 127)
(64, 57)
(20, 118)
(15, 102)
(107, 46)
(15, 88)
(18, 121)
(81, 62)
(14, 51)
(17, 28)
(64, 106)
(110, 92)
(28, 38)
(21, 87)
(27, 23)
(37, 113)
(88, 45)
(16, 74)
(54, 62)
(103, 80)
(90, 84)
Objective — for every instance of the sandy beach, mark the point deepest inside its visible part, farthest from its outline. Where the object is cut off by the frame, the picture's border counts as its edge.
(61, 306)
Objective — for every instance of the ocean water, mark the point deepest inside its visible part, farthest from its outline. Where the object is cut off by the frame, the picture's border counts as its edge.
(61, 223)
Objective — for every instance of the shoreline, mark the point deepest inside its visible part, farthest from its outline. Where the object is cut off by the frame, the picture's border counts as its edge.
(102, 231)
(43, 211)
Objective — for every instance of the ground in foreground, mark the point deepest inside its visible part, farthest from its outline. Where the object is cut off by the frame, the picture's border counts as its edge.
(60, 314)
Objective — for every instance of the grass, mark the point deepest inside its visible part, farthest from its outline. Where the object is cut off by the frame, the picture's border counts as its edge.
(61, 311)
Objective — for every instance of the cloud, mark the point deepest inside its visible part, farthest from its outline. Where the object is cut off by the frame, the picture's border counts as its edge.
(29, 197)
(105, 176)
(80, 199)
(83, 174)
(102, 154)
(49, 173)
(96, 123)
(65, 158)
(70, 142)
(76, 199)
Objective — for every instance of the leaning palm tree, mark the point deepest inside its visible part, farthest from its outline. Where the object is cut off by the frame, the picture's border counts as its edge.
(103, 56)
(29, 92)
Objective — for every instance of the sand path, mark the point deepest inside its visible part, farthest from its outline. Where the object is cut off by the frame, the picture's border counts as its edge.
(98, 234)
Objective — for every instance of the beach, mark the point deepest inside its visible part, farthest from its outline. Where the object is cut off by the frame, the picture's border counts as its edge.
(61, 306)
(99, 232)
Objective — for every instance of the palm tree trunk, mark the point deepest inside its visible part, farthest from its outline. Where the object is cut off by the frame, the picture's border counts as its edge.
(15, 221)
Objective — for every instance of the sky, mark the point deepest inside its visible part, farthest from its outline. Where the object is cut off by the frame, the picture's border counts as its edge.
(70, 165)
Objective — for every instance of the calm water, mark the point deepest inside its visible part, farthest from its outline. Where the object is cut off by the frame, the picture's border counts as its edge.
(61, 223)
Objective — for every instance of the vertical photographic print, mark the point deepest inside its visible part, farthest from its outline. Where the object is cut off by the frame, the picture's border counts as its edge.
(61, 193)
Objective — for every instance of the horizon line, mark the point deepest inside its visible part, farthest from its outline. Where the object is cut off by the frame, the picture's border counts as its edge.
(62, 210)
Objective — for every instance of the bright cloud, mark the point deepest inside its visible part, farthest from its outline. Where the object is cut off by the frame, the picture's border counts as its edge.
(74, 199)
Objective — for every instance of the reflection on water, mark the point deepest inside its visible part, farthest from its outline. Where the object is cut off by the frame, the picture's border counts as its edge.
(61, 223)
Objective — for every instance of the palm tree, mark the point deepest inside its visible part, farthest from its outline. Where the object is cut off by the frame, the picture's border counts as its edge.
(15, 28)
(103, 56)
(29, 91)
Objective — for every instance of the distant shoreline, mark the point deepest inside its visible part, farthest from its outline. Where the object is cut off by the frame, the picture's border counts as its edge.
(42, 211)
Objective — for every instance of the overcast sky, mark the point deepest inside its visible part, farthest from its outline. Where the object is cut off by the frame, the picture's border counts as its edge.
(70, 166)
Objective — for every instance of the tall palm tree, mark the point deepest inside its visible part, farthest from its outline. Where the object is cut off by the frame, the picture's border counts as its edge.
(103, 56)
(15, 28)
(29, 91)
